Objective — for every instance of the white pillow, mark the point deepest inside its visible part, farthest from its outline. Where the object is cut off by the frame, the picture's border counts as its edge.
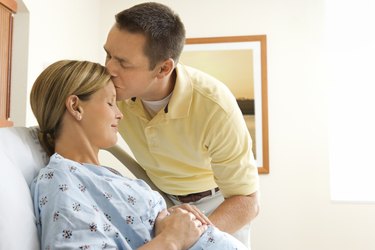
(21, 157)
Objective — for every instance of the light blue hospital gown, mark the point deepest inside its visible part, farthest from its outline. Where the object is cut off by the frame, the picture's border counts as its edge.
(82, 206)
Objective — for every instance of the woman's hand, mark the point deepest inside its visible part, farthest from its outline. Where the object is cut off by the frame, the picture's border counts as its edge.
(179, 228)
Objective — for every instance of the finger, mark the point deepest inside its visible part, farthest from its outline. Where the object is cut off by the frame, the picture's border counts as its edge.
(202, 229)
(192, 216)
(197, 223)
(202, 217)
(162, 214)
(199, 215)
(193, 209)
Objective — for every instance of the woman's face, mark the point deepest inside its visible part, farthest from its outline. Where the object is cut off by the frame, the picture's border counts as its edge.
(100, 117)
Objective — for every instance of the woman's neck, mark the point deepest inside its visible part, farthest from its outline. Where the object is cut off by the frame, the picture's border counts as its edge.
(74, 145)
(78, 154)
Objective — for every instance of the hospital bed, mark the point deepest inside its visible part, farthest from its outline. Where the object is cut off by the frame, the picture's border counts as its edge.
(21, 157)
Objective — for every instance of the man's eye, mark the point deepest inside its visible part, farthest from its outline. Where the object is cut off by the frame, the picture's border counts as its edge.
(110, 104)
(123, 65)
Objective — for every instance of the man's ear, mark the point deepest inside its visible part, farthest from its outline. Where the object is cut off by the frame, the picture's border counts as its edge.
(165, 68)
(72, 104)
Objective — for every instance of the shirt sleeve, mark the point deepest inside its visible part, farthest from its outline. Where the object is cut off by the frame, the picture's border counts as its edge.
(230, 147)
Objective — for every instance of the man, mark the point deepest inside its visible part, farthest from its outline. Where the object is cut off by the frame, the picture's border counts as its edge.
(183, 126)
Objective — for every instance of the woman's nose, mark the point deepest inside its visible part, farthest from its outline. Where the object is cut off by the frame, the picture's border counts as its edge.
(119, 115)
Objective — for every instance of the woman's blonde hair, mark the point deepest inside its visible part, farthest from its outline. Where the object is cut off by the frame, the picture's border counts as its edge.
(54, 85)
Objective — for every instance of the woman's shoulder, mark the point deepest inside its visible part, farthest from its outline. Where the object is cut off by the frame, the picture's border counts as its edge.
(57, 168)
(59, 163)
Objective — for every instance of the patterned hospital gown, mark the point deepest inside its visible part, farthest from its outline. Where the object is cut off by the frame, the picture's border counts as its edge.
(82, 206)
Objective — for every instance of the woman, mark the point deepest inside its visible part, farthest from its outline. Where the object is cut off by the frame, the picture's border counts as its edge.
(82, 205)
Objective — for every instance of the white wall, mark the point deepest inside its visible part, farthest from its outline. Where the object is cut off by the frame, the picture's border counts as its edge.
(297, 212)
(351, 46)
(46, 31)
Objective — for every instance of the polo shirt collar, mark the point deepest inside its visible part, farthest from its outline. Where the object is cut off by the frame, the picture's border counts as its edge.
(182, 96)
(180, 102)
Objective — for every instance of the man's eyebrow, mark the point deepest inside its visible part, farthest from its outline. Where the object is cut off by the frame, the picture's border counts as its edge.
(119, 59)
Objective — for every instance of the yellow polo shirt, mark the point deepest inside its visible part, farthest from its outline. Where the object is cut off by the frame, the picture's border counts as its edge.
(197, 142)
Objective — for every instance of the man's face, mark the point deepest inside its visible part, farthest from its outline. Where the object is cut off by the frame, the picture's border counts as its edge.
(128, 65)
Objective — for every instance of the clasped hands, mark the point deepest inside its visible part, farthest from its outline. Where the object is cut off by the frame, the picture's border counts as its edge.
(182, 224)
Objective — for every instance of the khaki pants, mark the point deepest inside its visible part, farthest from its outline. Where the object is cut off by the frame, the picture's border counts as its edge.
(208, 204)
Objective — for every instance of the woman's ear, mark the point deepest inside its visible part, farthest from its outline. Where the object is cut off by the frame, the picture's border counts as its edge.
(72, 104)
(165, 68)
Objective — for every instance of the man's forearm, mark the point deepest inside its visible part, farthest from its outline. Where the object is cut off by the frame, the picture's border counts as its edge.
(235, 212)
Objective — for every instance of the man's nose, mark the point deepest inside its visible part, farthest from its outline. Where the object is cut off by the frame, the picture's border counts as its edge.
(110, 67)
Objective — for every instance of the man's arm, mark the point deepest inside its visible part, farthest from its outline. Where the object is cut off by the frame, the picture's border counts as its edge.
(133, 166)
(235, 212)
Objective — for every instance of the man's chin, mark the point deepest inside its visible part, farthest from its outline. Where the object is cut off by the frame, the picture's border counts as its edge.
(120, 95)
(122, 98)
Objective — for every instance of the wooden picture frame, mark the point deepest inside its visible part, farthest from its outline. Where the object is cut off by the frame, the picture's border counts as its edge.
(7, 10)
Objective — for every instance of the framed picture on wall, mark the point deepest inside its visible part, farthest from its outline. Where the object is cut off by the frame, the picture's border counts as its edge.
(241, 63)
